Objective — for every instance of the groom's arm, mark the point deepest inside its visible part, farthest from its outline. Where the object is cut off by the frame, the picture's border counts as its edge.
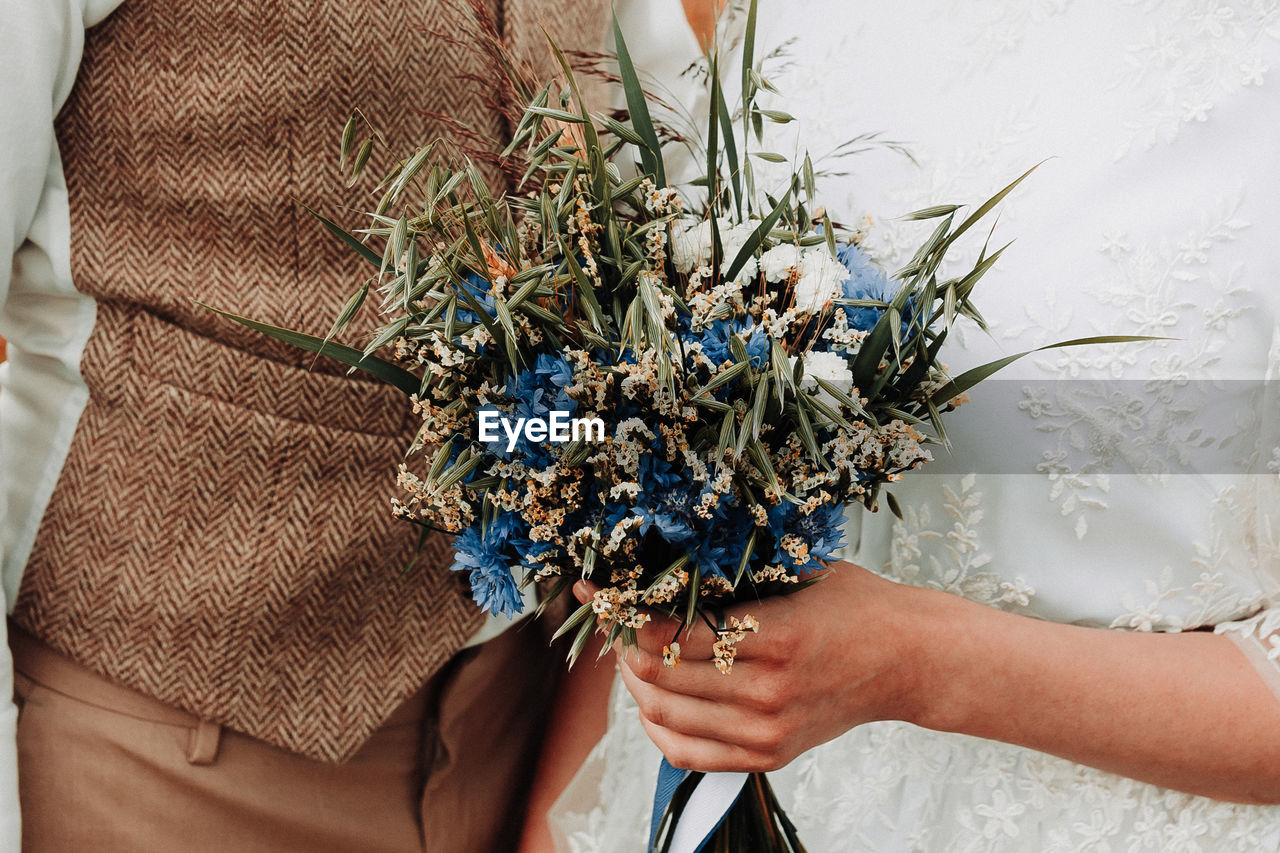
(1184, 711)
(41, 42)
(32, 38)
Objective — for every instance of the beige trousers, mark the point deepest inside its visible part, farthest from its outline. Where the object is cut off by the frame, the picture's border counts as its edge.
(106, 769)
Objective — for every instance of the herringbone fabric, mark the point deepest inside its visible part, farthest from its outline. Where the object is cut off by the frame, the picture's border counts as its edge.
(220, 538)
(579, 29)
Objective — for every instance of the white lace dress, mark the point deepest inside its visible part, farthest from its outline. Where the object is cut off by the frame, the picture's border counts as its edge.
(1133, 487)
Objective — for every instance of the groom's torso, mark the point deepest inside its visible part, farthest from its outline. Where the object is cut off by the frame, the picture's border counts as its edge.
(220, 538)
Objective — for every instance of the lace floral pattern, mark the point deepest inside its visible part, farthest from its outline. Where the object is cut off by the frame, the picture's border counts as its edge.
(956, 566)
(875, 789)
(1193, 53)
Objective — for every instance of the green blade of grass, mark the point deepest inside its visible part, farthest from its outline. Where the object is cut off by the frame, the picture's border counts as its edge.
(378, 368)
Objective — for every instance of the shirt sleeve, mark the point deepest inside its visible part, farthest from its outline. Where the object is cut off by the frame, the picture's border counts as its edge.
(1259, 635)
(41, 41)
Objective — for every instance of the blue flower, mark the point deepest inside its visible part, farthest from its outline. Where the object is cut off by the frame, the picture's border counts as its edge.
(715, 340)
(719, 552)
(531, 551)
(671, 512)
(666, 501)
(536, 393)
(542, 388)
(492, 585)
(505, 527)
(478, 288)
(757, 348)
(555, 373)
(866, 281)
(822, 530)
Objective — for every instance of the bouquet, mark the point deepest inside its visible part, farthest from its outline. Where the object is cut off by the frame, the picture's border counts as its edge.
(674, 394)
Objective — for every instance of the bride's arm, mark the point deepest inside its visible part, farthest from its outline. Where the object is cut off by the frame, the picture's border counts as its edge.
(1185, 711)
(578, 720)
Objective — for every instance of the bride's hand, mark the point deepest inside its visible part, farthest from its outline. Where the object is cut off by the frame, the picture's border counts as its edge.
(1185, 711)
(841, 653)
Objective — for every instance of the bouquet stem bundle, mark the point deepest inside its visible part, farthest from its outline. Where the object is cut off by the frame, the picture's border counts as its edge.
(755, 823)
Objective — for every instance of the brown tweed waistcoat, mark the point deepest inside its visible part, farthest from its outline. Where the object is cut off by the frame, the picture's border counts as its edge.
(220, 538)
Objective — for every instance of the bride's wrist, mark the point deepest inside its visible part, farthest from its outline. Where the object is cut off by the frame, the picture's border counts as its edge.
(939, 663)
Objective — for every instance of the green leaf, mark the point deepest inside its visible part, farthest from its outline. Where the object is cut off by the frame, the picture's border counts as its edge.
(585, 288)
(728, 435)
(395, 244)
(840, 395)
(462, 466)
(624, 132)
(755, 240)
(931, 212)
(969, 378)
(638, 107)
(758, 405)
(805, 428)
(867, 362)
(577, 618)
(580, 641)
(893, 505)
(935, 417)
(338, 231)
(348, 138)
(782, 369)
(730, 147)
(378, 368)
(746, 556)
(776, 116)
(748, 54)
(986, 206)
(348, 311)
(411, 168)
(362, 158)
(695, 581)
(558, 115)
(713, 159)
(440, 460)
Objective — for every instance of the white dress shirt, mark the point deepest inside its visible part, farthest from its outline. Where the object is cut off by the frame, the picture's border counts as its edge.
(44, 319)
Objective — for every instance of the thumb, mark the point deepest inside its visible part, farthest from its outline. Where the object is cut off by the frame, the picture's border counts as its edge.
(584, 591)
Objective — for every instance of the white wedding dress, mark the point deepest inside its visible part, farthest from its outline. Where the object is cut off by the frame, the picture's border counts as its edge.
(1104, 486)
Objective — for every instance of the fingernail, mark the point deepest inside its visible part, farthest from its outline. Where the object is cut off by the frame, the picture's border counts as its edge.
(581, 592)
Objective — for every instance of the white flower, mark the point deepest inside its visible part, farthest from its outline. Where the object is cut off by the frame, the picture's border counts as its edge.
(732, 240)
(691, 244)
(830, 366)
(821, 277)
(778, 262)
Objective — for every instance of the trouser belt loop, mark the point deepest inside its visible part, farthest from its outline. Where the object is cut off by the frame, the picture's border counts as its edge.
(203, 743)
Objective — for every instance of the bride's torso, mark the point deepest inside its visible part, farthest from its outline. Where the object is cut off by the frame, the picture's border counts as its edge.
(1098, 488)
(1106, 486)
